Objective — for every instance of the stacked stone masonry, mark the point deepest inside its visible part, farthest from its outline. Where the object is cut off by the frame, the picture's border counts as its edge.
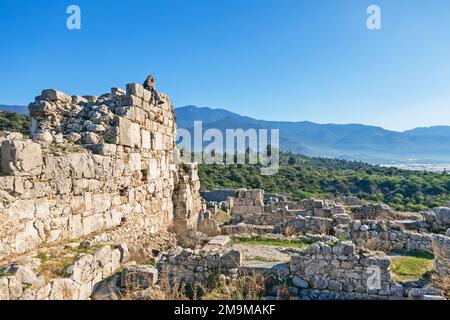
(92, 164)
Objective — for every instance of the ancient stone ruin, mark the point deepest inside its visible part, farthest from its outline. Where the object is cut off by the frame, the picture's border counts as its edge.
(93, 166)
(96, 205)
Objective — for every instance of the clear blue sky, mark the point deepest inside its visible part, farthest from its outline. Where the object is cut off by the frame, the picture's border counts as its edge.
(270, 59)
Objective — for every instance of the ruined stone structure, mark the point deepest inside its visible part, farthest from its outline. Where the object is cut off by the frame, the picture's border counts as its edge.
(93, 164)
(187, 201)
(246, 202)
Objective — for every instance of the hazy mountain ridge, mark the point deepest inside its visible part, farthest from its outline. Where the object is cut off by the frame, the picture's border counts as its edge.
(347, 141)
(14, 108)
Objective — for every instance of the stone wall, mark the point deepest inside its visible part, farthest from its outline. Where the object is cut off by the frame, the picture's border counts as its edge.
(23, 281)
(371, 234)
(92, 164)
(438, 218)
(246, 202)
(338, 269)
(379, 236)
(193, 267)
(441, 250)
(187, 200)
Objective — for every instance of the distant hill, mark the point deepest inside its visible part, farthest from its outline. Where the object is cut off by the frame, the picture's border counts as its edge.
(348, 141)
(17, 109)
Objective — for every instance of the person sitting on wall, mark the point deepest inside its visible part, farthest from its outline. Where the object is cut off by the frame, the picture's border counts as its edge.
(149, 84)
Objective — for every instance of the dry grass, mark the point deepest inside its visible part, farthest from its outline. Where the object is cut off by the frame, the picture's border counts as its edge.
(55, 266)
(289, 231)
(246, 287)
(191, 240)
(54, 262)
(140, 256)
(442, 283)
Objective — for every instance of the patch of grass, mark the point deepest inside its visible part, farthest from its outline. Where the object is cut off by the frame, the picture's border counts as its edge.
(261, 241)
(264, 259)
(414, 253)
(56, 267)
(407, 268)
(4, 273)
(68, 148)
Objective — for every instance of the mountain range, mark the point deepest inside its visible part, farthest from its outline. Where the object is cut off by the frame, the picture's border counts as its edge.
(17, 109)
(344, 141)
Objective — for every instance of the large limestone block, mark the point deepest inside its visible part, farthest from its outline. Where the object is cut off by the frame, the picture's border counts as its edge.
(4, 288)
(81, 165)
(64, 289)
(82, 271)
(75, 226)
(442, 217)
(22, 158)
(129, 133)
(135, 89)
(92, 223)
(22, 210)
(441, 246)
(231, 259)
(55, 95)
(28, 239)
(139, 277)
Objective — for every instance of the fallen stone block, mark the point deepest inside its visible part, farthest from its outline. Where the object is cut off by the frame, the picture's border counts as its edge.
(64, 289)
(231, 259)
(138, 277)
(21, 158)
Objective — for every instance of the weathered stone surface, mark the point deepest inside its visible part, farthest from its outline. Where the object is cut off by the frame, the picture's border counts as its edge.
(129, 133)
(55, 95)
(83, 269)
(139, 277)
(298, 282)
(15, 287)
(4, 288)
(124, 252)
(232, 259)
(21, 157)
(64, 289)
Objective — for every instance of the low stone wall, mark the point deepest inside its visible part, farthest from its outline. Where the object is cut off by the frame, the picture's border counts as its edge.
(371, 234)
(243, 228)
(195, 267)
(269, 219)
(339, 269)
(377, 236)
(22, 281)
(373, 211)
(306, 225)
(218, 195)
